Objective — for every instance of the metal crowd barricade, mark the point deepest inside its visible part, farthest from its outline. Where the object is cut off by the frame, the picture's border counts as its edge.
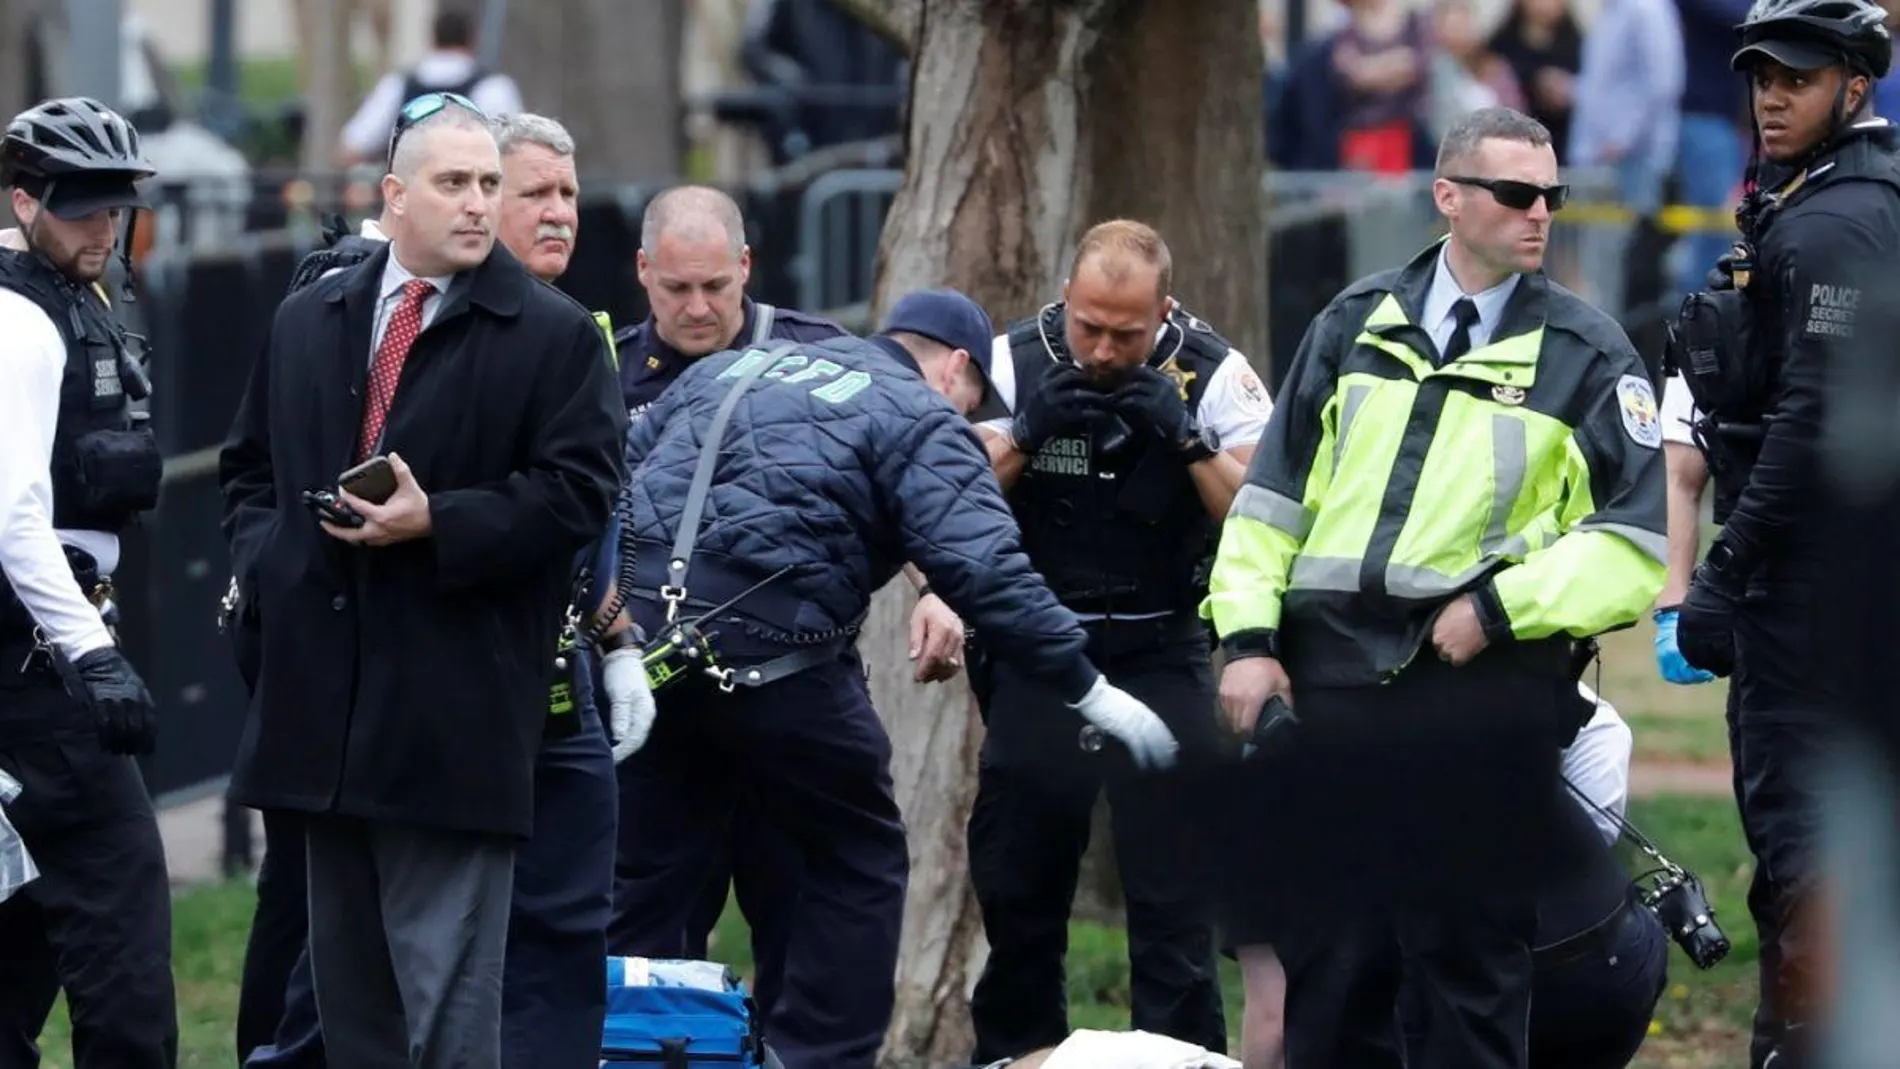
(841, 218)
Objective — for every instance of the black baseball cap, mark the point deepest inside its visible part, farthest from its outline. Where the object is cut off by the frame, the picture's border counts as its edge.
(1794, 54)
(949, 318)
(75, 196)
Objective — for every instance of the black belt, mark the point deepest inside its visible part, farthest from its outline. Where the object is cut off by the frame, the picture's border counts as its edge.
(1595, 940)
(684, 636)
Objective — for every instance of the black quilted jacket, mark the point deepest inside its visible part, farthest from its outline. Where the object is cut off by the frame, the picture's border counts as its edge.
(843, 464)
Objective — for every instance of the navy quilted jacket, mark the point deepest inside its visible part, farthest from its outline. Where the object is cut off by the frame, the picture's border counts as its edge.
(842, 464)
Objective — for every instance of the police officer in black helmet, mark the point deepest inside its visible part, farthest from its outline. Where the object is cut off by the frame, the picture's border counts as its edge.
(75, 467)
(1822, 231)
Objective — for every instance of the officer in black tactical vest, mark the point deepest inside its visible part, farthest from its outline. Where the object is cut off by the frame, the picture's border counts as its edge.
(1761, 353)
(1132, 426)
(76, 466)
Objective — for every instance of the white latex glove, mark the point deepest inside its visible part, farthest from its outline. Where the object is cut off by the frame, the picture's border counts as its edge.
(1122, 715)
(630, 708)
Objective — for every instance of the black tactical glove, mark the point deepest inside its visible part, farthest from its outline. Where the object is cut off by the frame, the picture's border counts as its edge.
(1151, 401)
(1705, 624)
(121, 706)
(1064, 401)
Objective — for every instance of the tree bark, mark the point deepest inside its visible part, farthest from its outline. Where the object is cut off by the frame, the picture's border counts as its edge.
(331, 88)
(582, 61)
(16, 27)
(1030, 121)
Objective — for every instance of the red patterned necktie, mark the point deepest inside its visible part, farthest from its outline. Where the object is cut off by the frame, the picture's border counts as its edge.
(398, 336)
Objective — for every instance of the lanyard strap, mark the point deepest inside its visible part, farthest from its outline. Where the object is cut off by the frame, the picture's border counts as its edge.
(674, 592)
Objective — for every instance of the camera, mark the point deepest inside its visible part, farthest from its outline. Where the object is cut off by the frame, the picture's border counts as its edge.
(1679, 902)
(327, 505)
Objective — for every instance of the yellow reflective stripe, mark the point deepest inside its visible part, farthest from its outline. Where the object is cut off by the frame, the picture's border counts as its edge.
(606, 324)
(1356, 394)
(1508, 462)
(1592, 579)
(1652, 544)
(1274, 510)
(1343, 575)
(1248, 580)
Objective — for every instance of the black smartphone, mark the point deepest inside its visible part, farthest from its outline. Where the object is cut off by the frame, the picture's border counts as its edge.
(373, 480)
(330, 507)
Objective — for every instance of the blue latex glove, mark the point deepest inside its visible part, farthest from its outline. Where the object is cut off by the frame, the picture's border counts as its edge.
(1669, 657)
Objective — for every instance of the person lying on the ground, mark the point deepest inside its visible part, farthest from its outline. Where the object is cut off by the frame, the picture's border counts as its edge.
(1090, 1049)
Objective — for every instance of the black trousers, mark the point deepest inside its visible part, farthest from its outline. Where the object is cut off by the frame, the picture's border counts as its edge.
(280, 928)
(1407, 824)
(812, 746)
(97, 921)
(1029, 828)
(1590, 1010)
(1780, 725)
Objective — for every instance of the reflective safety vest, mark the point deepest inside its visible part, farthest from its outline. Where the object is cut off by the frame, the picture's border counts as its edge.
(606, 324)
(1528, 473)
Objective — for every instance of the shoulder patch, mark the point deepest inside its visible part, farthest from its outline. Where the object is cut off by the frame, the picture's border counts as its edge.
(1636, 403)
(1251, 391)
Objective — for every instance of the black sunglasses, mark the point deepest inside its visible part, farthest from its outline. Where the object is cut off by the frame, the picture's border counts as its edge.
(1518, 196)
(421, 108)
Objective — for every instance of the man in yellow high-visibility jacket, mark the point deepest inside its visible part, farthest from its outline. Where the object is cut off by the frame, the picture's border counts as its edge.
(1463, 477)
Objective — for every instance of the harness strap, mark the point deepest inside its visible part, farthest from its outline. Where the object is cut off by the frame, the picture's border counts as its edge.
(674, 593)
(763, 315)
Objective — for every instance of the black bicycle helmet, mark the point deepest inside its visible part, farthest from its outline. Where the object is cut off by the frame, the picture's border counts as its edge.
(1810, 34)
(71, 136)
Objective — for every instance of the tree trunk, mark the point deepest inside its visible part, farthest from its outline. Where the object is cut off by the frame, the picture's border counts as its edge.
(1030, 121)
(582, 61)
(16, 23)
(332, 86)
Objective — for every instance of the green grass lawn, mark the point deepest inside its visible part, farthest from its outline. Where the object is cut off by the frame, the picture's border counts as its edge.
(1701, 1024)
(1671, 723)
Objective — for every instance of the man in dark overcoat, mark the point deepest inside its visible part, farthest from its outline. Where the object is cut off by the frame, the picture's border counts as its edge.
(407, 659)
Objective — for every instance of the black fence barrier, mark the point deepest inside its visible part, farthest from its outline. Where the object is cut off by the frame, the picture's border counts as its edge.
(173, 572)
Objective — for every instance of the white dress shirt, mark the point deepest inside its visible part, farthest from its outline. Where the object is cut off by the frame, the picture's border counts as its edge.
(32, 362)
(394, 276)
(1437, 318)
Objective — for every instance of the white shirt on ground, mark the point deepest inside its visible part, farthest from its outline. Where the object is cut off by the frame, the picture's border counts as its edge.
(32, 362)
(1089, 1049)
(1598, 763)
(367, 132)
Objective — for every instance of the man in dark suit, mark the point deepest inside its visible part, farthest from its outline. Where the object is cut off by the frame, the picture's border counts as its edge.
(406, 661)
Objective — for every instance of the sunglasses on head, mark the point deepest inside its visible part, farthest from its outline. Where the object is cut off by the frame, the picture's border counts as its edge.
(421, 108)
(1518, 196)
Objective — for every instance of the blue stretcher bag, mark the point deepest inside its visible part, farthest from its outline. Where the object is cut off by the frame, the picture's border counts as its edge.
(680, 1015)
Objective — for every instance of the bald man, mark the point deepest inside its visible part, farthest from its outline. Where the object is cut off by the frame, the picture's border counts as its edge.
(1121, 430)
(694, 264)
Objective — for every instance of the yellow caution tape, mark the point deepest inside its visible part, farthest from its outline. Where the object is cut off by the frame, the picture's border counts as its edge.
(1672, 219)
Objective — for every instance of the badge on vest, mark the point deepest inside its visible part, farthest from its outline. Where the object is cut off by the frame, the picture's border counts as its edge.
(1636, 403)
(1507, 395)
(1062, 456)
(1178, 376)
(105, 377)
